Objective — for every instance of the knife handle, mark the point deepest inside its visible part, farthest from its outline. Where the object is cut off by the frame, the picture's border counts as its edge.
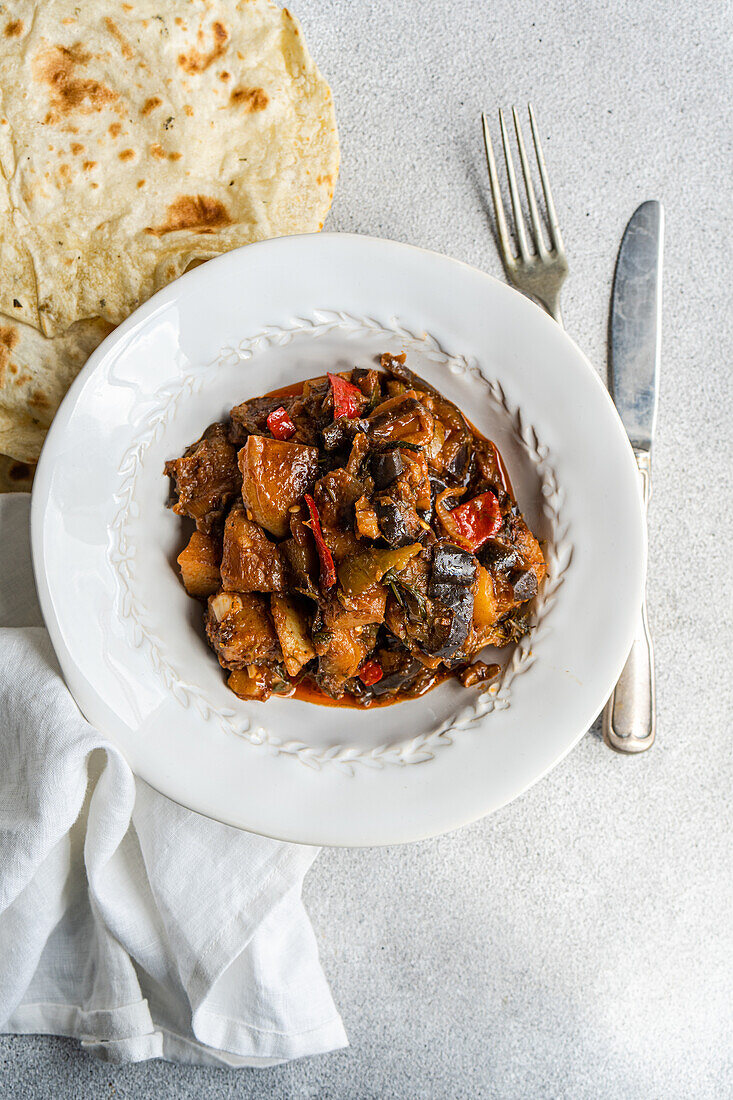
(629, 717)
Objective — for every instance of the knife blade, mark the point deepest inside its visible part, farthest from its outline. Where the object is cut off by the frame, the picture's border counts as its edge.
(636, 324)
(629, 718)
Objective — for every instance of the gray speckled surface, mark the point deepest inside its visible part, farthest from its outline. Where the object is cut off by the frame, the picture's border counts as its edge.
(578, 943)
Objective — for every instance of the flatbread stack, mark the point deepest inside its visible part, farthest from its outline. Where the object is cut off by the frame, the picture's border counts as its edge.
(137, 139)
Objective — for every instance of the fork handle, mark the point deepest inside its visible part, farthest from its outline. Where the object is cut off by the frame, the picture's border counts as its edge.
(629, 717)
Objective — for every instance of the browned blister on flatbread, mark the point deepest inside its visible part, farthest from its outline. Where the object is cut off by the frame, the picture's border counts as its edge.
(15, 477)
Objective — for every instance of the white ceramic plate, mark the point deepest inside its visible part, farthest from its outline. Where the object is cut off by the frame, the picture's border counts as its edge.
(130, 641)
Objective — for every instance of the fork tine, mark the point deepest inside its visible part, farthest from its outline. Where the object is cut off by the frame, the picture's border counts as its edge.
(504, 241)
(514, 192)
(555, 236)
(533, 212)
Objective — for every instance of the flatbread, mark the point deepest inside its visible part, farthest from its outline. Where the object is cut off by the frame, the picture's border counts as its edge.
(15, 477)
(137, 136)
(35, 373)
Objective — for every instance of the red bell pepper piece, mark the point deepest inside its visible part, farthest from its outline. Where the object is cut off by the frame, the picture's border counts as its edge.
(328, 569)
(477, 520)
(370, 673)
(280, 424)
(347, 397)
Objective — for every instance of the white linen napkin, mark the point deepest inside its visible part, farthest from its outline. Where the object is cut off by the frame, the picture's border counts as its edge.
(139, 927)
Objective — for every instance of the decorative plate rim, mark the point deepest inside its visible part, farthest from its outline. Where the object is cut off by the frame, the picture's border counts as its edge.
(120, 549)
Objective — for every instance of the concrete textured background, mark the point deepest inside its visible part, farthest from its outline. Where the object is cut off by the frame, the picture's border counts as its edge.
(577, 943)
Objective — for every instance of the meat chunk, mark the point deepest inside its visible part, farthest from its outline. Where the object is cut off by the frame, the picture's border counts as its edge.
(300, 556)
(527, 546)
(310, 411)
(364, 608)
(241, 632)
(206, 479)
(335, 495)
(413, 484)
(478, 673)
(250, 418)
(341, 647)
(250, 562)
(199, 565)
(275, 475)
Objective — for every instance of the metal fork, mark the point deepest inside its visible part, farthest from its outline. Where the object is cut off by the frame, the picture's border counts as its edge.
(540, 273)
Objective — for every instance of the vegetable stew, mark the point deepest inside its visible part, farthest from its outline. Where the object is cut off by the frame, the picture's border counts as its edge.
(356, 541)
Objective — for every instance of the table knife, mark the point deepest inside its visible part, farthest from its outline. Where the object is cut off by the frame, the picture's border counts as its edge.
(629, 718)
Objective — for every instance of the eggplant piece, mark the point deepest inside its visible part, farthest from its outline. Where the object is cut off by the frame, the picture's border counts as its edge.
(452, 565)
(524, 584)
(398, 522)
(302, 567)
(437, 486)
(395, 365)
(393, 682)
(386, 468)
(399, 667)
(451, 589)
(459, 466)
(359, 691)
(342, 432)
(402, 418)
(451, 621)
(497, 557)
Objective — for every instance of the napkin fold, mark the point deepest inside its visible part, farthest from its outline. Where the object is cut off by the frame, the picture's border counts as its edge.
(137, 926)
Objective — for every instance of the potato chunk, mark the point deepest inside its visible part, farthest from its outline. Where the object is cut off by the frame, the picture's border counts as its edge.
(240, 630)
(275, 475)
(257, 682)
(250, 563)
(488, 605)
(292, 630)
(367, 524)
(199, 565)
